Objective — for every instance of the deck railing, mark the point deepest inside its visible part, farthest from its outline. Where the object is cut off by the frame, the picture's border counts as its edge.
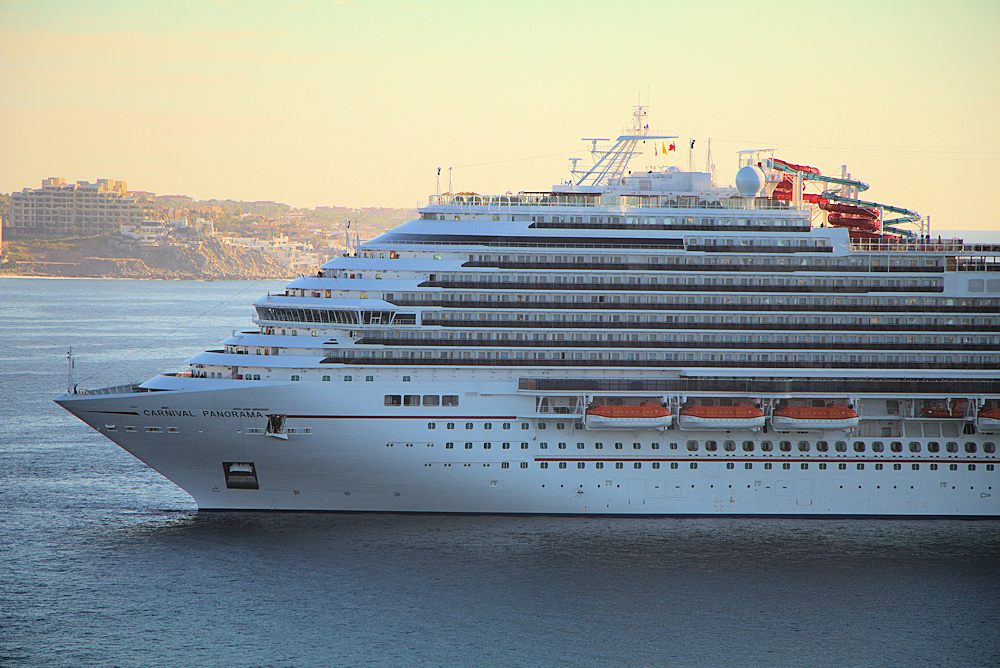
(130, 388)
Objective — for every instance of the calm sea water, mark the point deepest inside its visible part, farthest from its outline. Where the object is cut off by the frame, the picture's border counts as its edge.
(105, 563)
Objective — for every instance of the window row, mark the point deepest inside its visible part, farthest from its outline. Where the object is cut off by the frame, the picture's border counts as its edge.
(841, 446)
(677, 281)
(933, 447)
(657, 358)
(786, 466)
(415, 400)
(734, 302)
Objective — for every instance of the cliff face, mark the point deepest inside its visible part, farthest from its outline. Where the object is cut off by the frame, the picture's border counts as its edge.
(119, 257)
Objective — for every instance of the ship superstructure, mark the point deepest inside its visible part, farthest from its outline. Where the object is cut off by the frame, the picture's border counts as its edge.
(623, 343)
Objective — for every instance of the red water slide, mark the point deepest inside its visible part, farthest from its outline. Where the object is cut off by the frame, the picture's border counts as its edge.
(861, 222)
(850, 216)
(797, 168)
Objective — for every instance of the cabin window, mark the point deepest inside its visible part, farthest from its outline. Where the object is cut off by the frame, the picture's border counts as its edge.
(449, 400)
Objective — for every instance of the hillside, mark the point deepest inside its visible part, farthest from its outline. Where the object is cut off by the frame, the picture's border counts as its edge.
(115, 256)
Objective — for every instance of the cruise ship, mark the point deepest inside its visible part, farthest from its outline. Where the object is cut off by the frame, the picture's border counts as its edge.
(626, 343)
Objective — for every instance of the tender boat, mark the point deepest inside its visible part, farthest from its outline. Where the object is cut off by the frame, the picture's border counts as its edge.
(806, 418)
(988, 421)
(646, 415)
(740, 416)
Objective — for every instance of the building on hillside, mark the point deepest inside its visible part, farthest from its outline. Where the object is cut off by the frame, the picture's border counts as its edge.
(60, 209)
(295, 256)
(148, 233)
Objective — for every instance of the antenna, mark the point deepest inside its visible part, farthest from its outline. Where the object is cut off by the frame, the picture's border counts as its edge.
(69, 375)
(611, 164)
(709, 167)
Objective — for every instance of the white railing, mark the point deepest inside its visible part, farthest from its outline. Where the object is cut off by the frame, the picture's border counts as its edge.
(622, 201)
(924, 246)
(131, 388)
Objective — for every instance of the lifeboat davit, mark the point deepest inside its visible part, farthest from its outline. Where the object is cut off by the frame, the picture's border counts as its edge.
(740, 416)
(988, 421)
(646, 415)
(803, 418)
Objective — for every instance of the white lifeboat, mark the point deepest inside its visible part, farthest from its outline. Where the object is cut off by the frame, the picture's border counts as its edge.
(740, 416)
(988, 421)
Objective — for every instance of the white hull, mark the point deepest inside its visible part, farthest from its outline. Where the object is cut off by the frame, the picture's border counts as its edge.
(988, 425)
(780, 423)
(443, 365)
(694, 422)
(363, 460)
(604, 422)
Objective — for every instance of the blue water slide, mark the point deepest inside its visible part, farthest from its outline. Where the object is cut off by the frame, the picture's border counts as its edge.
(809, 176)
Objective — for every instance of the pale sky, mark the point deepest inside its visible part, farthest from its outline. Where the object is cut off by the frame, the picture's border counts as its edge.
(346, 103)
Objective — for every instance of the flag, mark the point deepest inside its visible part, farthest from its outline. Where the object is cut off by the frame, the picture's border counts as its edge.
(673, 147)
(692, 143)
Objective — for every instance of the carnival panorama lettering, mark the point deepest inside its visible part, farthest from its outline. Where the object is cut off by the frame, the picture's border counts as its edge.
(166, 413)
(214, 414)
(242, 414)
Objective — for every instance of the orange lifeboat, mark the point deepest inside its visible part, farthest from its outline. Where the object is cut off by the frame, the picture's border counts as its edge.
(805, 418)
(647, 415)
(988, 421)
(940, 410)
(740, 416)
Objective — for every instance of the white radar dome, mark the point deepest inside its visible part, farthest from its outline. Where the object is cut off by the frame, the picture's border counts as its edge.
(749, 180)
